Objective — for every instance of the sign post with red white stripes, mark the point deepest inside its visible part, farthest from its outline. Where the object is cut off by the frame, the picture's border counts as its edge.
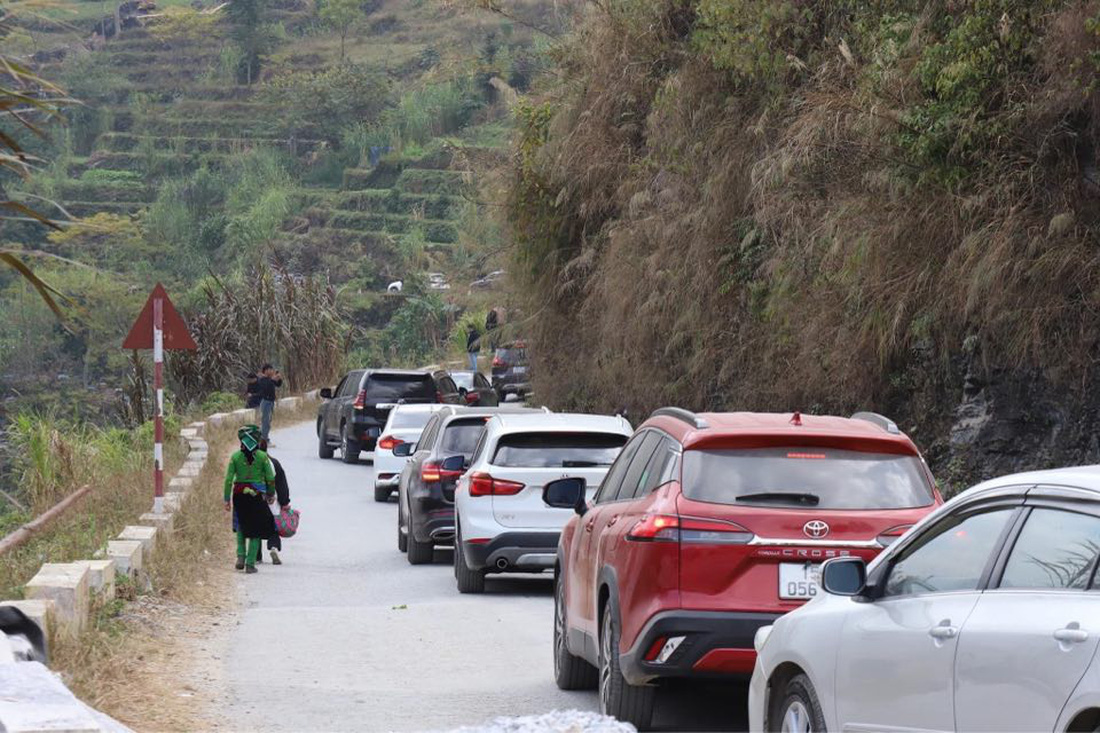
(159, 327)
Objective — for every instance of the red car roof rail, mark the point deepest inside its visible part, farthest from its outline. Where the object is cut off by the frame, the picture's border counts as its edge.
(882, 421)
(685, 415)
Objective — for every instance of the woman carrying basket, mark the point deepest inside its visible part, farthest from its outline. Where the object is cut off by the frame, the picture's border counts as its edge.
(248, 479)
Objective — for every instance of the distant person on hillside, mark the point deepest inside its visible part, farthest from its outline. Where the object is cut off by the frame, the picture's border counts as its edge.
(270, 378)
(492, 321)
(282, 495)
(252, 391)
(473, 344)
(248, 480)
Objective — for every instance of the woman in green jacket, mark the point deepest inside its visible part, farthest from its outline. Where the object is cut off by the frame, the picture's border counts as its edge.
(248, 479)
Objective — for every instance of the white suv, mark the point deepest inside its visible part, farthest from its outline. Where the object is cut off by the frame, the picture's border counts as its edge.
(501, 521)
(404, 425)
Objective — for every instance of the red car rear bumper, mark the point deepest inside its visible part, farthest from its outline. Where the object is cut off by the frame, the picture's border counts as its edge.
(715, 644)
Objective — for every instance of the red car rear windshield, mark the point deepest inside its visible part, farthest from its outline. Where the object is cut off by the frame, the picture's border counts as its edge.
(824, 478)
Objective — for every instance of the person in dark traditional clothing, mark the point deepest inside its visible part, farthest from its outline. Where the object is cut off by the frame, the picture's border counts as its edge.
(252, 391)
(282, 495)
(248, 479)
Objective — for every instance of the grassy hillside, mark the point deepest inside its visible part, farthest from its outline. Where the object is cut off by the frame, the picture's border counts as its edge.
(765, 204)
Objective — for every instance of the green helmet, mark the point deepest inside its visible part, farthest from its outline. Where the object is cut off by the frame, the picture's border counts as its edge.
(250, 437)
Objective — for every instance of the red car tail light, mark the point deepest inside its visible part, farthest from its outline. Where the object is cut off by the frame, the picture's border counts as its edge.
(472, 397)
(482, 484)
(891, 535)
(430, 473)
(655, 528)
(694, 530)
(360, 400)
(389, 442)
(713, 532)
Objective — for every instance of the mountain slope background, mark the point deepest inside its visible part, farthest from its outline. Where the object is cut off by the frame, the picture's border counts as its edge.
(275, 168)
(820, 206)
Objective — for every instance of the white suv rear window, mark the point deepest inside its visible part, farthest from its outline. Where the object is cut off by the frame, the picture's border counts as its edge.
(557, 450)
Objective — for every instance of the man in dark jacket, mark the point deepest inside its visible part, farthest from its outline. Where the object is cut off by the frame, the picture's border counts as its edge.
(473, 344)
(270, 378)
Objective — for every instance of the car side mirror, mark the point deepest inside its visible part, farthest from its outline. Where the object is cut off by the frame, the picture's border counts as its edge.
(326, 393)
(403, 450)
(453, 463)
(844, 576)
(566, 493)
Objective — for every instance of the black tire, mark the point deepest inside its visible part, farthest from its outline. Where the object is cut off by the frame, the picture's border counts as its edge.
(382, 493)
(349, 448)
(324, 450)
(618, 698)
(420, 553)
(402, 538)
(467, 579)
(797, 708)
(570, 672)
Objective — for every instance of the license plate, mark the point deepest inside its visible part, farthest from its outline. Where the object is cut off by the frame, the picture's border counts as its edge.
(799, 581)
(520, 370)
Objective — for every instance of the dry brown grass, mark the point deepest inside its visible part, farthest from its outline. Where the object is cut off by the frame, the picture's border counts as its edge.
(117, 499)
(719, 248)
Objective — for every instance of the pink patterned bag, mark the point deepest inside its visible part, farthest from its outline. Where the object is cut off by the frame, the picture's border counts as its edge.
(286, 521)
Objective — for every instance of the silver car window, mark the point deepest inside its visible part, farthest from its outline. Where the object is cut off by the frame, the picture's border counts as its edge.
(1055, 549)
(951, 556)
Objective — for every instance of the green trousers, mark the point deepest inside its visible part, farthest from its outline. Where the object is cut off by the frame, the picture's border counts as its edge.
(253, 549)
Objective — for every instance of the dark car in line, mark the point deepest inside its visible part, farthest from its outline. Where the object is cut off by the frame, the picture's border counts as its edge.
(425, 493)
(475, 388)
(510, 370)
(352, 415)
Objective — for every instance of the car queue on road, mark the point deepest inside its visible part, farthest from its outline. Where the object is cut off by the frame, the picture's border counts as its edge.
(812, 555)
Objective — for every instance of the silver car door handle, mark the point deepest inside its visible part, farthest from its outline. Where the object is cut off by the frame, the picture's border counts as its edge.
(1071, 634)
(943, 632)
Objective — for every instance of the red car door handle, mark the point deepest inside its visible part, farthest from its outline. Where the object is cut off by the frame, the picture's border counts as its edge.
(612, 520)
(590, 524)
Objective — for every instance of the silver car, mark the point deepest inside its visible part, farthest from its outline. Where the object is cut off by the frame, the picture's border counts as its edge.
(985, 616)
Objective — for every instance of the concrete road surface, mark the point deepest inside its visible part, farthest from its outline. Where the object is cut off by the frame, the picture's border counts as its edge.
(346, 635)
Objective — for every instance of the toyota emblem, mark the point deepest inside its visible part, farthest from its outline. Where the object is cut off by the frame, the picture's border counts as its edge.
(815, 529)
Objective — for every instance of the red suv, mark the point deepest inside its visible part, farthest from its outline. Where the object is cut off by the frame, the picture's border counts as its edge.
(708, 527)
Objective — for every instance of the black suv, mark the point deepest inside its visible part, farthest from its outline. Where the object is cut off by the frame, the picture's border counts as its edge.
(352, 415)
(510, 375)
(426, 492)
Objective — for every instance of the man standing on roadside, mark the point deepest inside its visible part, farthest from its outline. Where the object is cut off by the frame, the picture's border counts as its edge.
(473, 344)
(270, 378)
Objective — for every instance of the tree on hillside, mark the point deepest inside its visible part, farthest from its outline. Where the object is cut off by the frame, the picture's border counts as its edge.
(340, 15)
(249, 32)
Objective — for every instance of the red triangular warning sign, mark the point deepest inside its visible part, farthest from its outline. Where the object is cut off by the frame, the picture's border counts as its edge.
(176, 335)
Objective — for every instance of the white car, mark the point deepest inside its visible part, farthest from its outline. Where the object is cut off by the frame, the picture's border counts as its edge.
(404, 425)
(985, 616)
(501, 521)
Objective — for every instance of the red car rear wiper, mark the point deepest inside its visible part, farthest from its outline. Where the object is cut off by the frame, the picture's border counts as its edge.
(793, 497)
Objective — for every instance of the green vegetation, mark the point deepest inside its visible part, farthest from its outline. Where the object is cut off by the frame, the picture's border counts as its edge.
(275, 164)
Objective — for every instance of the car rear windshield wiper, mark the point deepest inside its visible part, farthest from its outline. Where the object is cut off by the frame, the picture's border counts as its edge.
(793, 497)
